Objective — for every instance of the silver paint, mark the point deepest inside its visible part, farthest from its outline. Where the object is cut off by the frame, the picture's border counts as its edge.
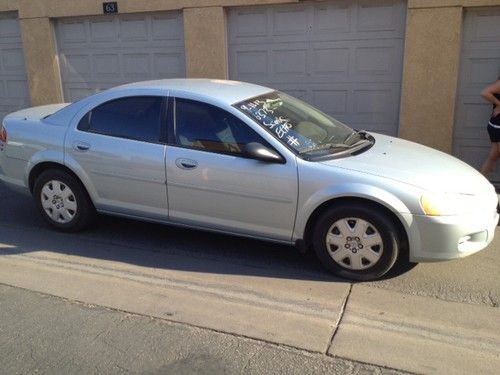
(244, 196)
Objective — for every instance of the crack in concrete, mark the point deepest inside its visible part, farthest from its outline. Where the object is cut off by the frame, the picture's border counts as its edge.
(339, 321)
(493, 302)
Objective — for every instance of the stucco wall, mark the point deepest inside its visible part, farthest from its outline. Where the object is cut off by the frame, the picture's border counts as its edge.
(430, 76)
(205, 42)
(42, 67)
(431, 59)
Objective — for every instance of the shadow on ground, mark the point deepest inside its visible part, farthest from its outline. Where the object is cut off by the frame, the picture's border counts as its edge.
(156, 246)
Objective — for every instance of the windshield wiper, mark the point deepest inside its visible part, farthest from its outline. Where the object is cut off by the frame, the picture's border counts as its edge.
(362, 133)
(328, 146)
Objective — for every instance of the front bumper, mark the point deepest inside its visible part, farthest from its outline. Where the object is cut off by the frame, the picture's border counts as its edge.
(437, 238)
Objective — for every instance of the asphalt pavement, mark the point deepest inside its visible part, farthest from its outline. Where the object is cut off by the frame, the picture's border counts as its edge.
(433, 318)
(49, 335)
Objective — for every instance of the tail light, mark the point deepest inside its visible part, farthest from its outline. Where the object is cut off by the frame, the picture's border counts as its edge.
(3, 137)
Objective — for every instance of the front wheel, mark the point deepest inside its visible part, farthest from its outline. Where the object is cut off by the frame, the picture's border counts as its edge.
(62, 201)
(356, 241)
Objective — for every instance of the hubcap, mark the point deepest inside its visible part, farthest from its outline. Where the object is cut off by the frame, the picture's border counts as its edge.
(354, 243)
(58, 201)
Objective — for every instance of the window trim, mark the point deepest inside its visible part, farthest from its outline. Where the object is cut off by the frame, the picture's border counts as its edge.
(172, 118)
(162, 137)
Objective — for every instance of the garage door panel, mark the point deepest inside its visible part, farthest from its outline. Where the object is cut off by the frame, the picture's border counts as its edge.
(316, 62)
(13, 60)
(474, 114)
(76, 91)
(379, 15)
(101, 52)
(290, 20)
(14, 93)
(248, 23)
(106, 67)
(168, 27)
(136, 66)
(340, 20)
(71, 32)
(330, 18)
(168, 65)
(364, 106)
(9, 28)
(376, 60)
(103, 30)
(16, 90)
(331, 60)
(289, 62)
(473, 151)
(479, 71)
(250, 64)
(482, 25)
(133, 29)
(335, 100)
(77, 67)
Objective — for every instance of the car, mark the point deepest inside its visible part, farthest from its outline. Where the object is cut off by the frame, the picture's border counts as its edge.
(247, 160)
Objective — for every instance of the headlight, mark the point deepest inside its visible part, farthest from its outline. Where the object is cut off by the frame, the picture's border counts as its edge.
(447, 204)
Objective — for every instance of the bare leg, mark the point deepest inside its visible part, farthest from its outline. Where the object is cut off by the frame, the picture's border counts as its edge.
(491, 161)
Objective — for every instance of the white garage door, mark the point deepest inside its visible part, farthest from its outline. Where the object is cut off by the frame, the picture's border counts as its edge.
(14, 92)
(480, 66)
(101, 52)
(343, 56)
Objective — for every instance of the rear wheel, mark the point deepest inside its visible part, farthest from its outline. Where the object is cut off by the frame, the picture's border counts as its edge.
(356, 241)
(63, 201)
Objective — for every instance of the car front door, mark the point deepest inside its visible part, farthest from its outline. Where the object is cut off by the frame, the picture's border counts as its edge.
(119, 147)
(212, 183)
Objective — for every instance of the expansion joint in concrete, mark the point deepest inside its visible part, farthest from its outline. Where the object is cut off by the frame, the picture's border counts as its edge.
(339, 321)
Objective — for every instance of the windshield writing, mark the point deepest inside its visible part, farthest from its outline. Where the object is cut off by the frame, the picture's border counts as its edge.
(300, 126)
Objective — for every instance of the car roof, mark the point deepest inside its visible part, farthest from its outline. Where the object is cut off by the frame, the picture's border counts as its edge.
(225, 91)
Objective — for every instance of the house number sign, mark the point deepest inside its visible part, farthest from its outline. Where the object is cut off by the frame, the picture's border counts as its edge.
(110, 7)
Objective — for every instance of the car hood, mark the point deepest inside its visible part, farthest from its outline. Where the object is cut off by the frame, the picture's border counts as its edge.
(415, 164)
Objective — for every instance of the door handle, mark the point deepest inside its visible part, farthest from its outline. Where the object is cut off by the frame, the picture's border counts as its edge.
(186, 163)
(81, 146)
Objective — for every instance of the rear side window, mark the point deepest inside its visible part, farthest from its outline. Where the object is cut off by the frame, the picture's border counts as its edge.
(135, 117)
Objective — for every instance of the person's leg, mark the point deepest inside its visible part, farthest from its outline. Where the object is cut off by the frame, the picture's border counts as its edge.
(490, 162)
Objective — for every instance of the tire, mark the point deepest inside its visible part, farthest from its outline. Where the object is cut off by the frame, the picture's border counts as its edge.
(356, 241)
(63, 201)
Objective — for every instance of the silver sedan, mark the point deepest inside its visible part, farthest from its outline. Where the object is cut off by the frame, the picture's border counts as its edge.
(247, 160)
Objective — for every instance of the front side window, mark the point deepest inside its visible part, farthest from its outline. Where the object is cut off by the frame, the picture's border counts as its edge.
(207, 127)
(135, 117)
(303, 128)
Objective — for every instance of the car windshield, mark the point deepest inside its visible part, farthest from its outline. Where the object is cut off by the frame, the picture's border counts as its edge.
(303, 128)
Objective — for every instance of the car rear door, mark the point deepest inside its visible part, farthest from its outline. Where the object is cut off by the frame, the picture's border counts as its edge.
(212, 184)
(118, 145)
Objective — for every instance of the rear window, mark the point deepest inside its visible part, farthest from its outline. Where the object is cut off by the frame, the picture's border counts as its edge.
(137, 118)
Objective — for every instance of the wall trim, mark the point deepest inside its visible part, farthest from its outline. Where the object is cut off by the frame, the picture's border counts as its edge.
(60, 9)
(419, 4)
(9, 6)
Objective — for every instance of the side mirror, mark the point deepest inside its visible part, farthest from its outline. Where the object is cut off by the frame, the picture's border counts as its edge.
(260, 152)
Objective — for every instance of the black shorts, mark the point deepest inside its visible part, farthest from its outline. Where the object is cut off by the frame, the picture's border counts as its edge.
(494, 133)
